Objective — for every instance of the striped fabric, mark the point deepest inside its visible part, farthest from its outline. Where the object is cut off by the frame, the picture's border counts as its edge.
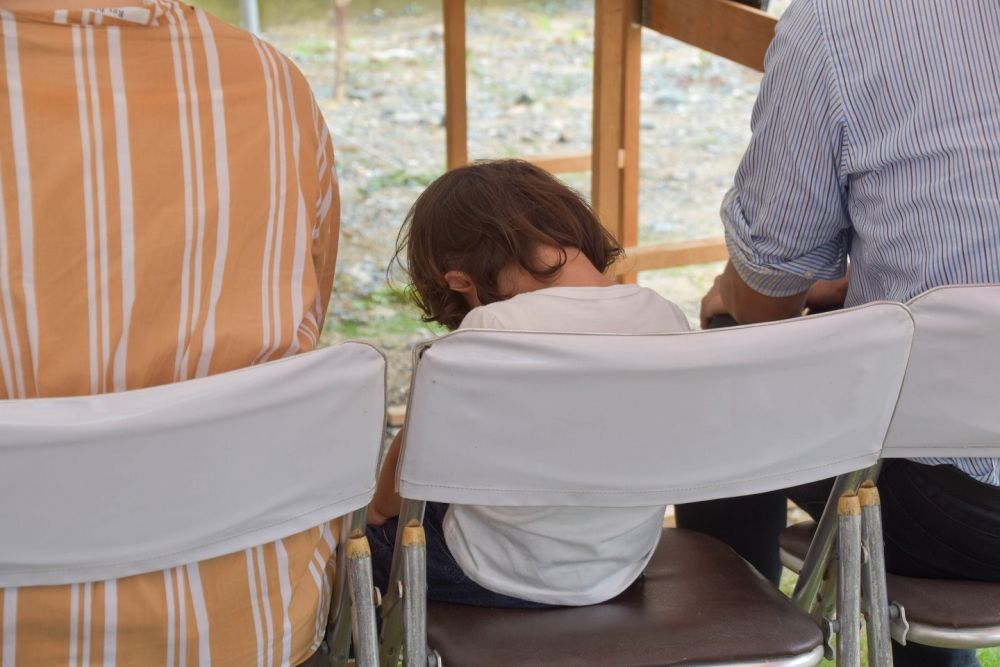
(876, 134)
(170, 210)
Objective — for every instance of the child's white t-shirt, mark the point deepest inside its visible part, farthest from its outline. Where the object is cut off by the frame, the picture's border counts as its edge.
(560, 555)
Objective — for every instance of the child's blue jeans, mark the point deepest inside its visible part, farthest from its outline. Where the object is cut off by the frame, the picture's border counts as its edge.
(446, 582)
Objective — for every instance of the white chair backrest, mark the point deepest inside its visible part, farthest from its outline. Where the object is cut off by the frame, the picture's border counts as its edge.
(515, 418)
(950, 401)
(99, 487)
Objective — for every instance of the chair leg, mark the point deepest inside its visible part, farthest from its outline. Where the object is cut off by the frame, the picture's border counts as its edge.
(873, 582)
(362, 589)
(817, 560)
(391, 640)
(414, 596)
(849, 581)
(338, 638)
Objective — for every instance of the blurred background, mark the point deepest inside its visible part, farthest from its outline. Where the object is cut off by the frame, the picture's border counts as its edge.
(530, 92)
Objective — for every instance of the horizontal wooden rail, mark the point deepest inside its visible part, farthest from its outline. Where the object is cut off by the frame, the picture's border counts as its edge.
(670, 255)
(723, 27)
(561, 164)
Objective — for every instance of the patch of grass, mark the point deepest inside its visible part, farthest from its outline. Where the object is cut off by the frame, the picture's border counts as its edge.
(989, 657)
(387, 312)
(396, 179)
(404, 324)
(311, 46)
(543, 23)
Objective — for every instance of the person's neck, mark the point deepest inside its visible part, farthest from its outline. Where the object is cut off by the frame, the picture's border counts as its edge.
(578, 271)
(53, 5)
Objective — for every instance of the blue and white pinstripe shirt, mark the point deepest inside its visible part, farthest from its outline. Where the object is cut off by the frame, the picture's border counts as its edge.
(876, 134)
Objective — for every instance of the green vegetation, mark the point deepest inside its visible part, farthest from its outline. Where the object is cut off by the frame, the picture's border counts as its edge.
(990, 657)
(397, 179)
(312, 46)
(387, 312)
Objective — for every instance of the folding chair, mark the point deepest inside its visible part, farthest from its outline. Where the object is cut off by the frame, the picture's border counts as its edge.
(947, 408)
(115, 485)
(577, 420)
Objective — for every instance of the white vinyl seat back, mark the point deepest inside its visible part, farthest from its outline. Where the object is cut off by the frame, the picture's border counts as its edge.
(516, 418)
(101, 487)
(950, 401)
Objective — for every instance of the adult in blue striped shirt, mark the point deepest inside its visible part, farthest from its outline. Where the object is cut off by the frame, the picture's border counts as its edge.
(876, 136)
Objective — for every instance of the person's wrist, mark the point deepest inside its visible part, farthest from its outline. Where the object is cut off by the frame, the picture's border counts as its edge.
(375, 518)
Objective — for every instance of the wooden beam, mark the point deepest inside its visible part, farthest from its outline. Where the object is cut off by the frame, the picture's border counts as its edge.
(615, 170)
(605, 189)
(670, 255)
(628, 208)
(561, 164)
(723, 27)
(456, 110)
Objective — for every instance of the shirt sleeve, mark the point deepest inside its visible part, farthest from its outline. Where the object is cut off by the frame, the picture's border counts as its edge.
(786, 217)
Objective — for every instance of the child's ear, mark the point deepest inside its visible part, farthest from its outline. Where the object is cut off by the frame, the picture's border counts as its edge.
(460, 283)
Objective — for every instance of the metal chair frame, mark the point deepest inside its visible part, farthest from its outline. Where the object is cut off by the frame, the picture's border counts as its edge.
(808, 591)
(352, 612)
(404, 608)
(353, 599)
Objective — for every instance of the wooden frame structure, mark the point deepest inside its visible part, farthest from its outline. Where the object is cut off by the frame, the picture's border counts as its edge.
(724, 27)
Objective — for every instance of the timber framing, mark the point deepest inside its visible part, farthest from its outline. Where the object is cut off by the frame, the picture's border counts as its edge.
(726, 28)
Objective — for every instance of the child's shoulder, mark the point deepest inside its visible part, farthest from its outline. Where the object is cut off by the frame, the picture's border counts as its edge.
(614, 309)
(483, 317)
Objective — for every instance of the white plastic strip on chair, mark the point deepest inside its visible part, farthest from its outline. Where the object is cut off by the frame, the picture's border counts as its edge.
(950, 402)
(515, 418)
(108, 486)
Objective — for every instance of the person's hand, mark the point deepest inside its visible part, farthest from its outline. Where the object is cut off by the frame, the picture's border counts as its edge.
(711, 304)
(827, 294)
(374, 518)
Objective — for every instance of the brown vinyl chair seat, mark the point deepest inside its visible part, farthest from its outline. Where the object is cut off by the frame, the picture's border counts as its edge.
(697, 603)
(940, 612)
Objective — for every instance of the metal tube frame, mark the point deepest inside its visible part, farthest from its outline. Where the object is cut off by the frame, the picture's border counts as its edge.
(339, 624)
(849, 581)
(821, 549)
(362, 594)
(414, 584)
(250, 16)
(391, 640)
(873, 586)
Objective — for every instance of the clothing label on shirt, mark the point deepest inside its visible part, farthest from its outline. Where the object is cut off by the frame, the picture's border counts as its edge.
(130, 14)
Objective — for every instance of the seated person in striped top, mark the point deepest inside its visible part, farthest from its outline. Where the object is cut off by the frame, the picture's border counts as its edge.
(504, 245)
(874, 138)
(171, 212)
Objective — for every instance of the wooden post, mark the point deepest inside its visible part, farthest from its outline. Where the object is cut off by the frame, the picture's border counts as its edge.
(615, 158)
(631, 70)
(456, 113)
(340, 35)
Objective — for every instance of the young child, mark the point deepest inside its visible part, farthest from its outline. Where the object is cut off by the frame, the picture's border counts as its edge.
(504, 245)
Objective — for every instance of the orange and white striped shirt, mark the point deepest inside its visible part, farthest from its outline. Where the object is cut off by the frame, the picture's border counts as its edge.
(169, 210)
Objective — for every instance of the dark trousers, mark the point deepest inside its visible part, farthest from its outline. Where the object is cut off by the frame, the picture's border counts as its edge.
(938, 523)
(446, 582)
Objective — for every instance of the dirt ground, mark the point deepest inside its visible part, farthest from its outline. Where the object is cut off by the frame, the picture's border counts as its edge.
(530, 92)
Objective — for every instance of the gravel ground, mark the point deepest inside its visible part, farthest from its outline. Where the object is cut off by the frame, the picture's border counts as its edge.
(530, 92)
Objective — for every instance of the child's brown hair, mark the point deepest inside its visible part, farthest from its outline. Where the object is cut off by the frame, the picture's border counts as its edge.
(487, 216)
